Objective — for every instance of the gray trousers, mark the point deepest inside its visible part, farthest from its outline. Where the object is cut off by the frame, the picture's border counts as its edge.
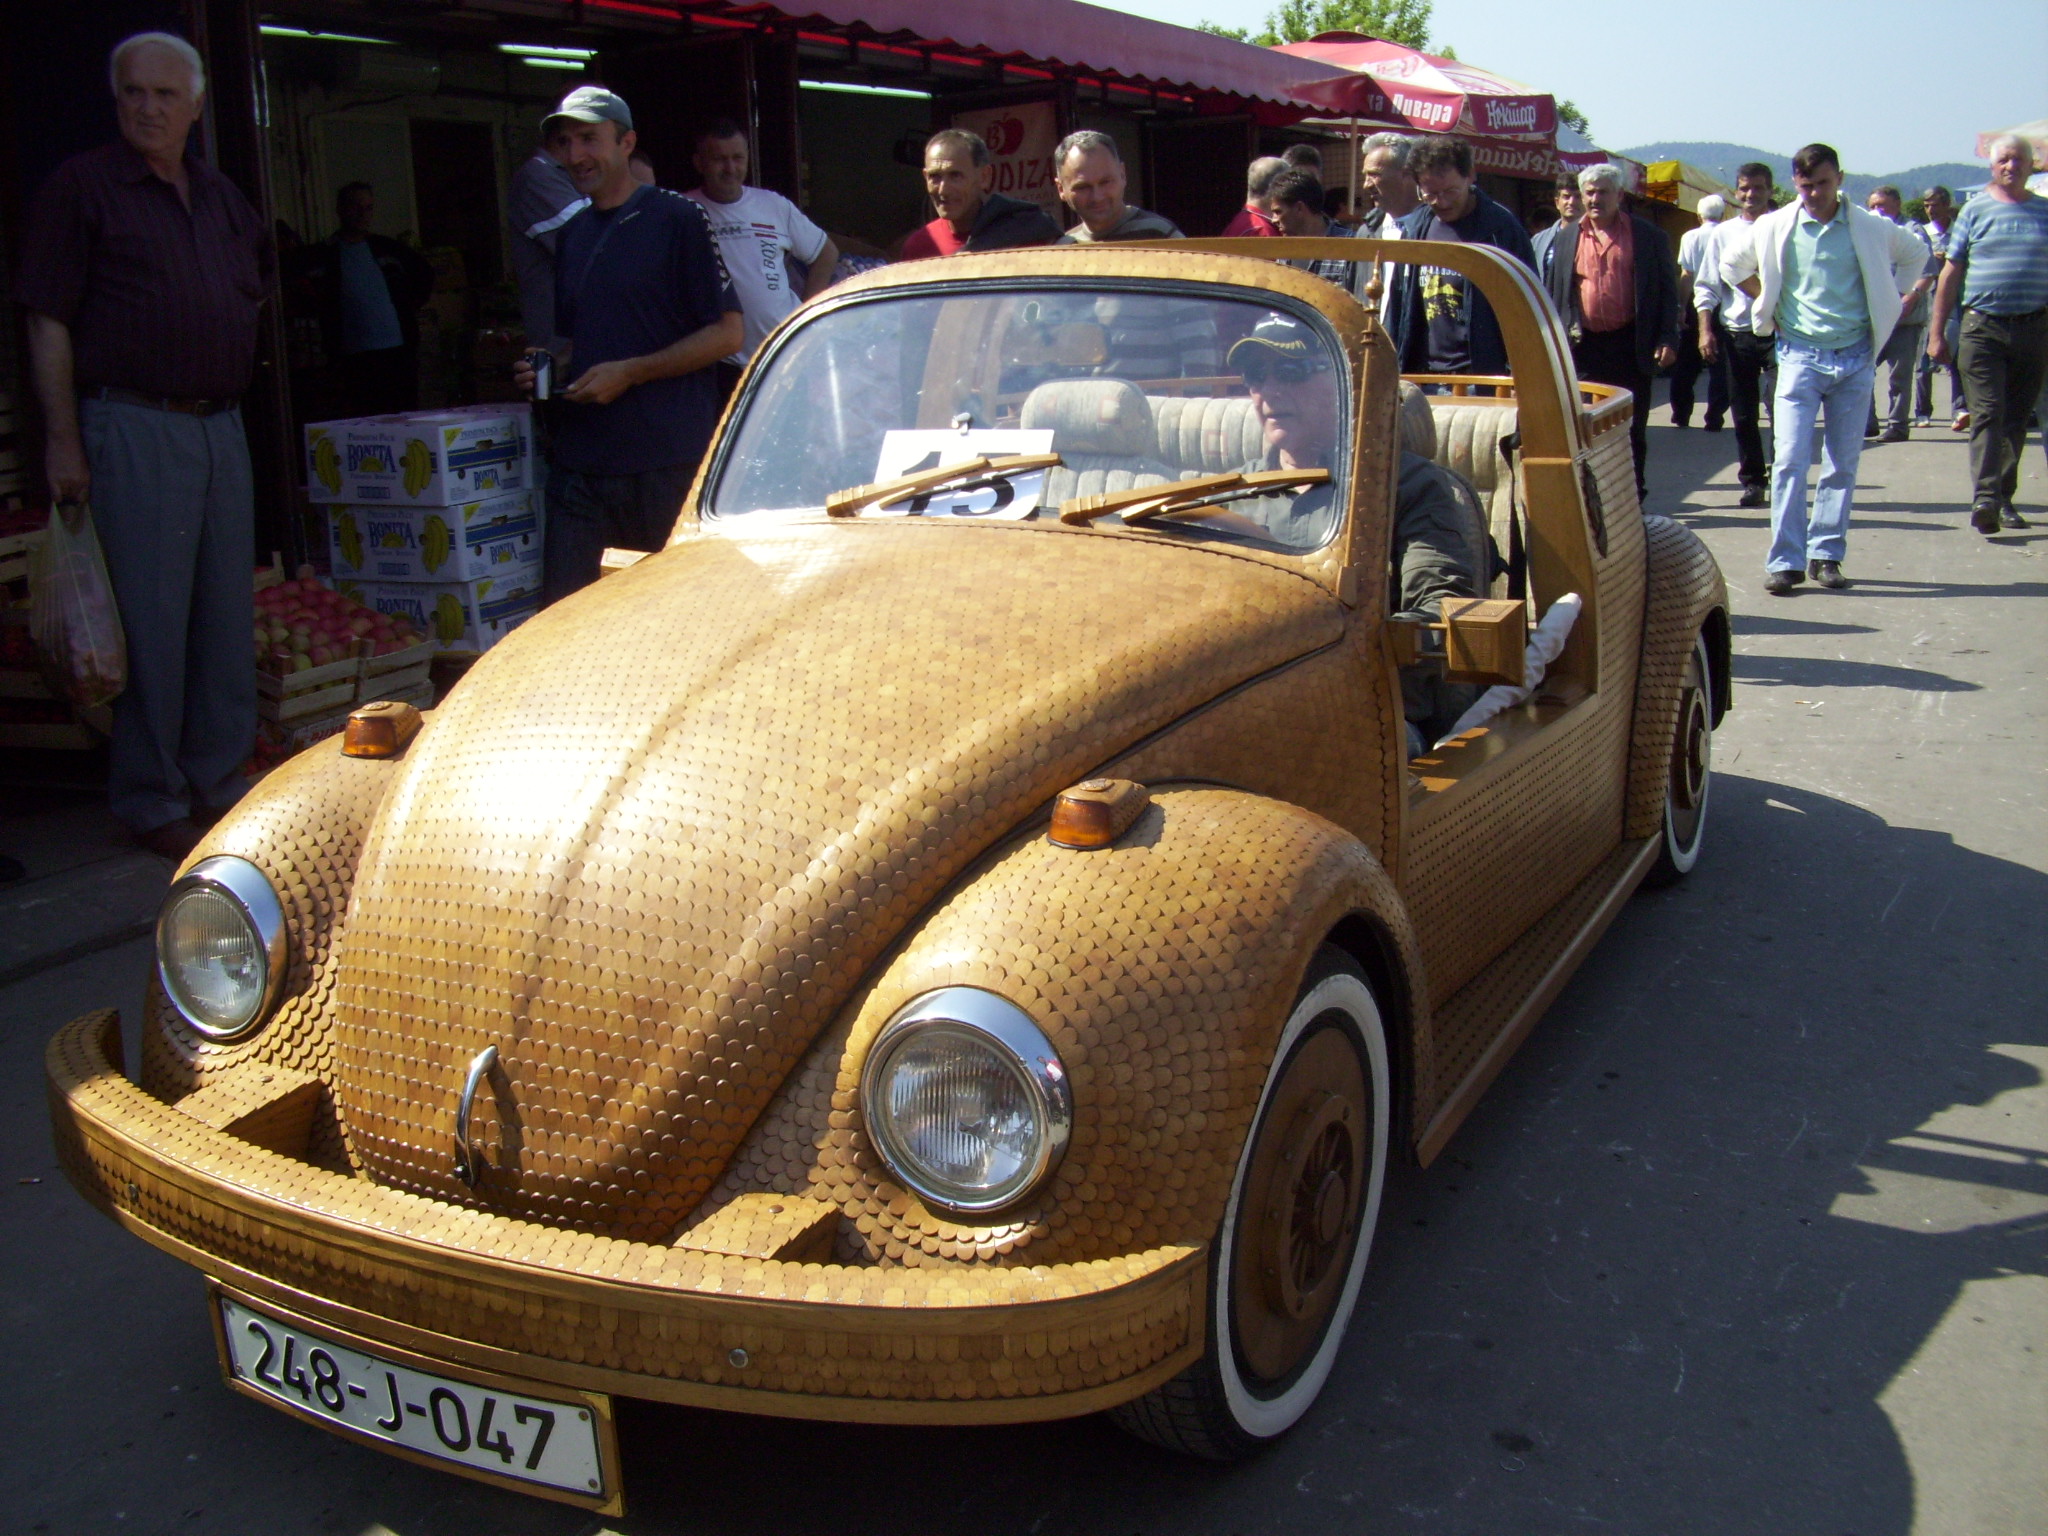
(174, 504)
(1901, 356)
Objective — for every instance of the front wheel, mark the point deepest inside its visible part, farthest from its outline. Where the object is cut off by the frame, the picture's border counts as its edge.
(1288, 1259)
(1692, 772)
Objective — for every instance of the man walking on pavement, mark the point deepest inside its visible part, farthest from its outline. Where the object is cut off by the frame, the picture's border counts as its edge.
(756, 231)
(1571, 207)
(960, 179)
(1827, 278)
(1255, 218)
(542, 199)
(1090, 171)
(1998, 272)
(1612, 280)
(142, 272)
(1298, 204)
(1725, 313)
(645, 309)
(1439, 322)
(1384, 160)
(1692, 362)
(1903, 353)
(1940, 204)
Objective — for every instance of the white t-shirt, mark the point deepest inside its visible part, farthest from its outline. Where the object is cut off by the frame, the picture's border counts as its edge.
(753, 231)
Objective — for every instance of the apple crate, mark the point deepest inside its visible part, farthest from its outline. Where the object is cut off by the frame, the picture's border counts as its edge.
(396, 675)
(313, 691)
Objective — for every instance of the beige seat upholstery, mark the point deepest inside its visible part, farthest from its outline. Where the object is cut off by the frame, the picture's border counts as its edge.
(1419, 436)
(1469, 434)
(1204, 435)
(1102, 429)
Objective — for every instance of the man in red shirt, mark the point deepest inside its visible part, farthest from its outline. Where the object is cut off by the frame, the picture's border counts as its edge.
(1256, 216)
(142, 272)
(1613, 279)
(973, 216)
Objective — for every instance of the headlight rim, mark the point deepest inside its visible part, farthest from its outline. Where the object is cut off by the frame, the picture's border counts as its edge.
(1029, 1051)
(242, 883)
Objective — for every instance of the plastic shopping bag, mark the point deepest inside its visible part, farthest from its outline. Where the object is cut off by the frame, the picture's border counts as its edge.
(72, 617)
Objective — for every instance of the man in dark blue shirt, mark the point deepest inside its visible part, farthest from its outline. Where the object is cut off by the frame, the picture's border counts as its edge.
(1438, 321)
(643, 301)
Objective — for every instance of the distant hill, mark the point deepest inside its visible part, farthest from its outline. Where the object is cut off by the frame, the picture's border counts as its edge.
(1720, 160)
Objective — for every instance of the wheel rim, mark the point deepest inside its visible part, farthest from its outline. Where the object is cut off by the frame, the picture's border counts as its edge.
(1692, 761)
(1298, 1217)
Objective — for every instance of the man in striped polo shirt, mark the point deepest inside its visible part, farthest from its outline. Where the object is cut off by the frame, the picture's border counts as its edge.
(1998, 266)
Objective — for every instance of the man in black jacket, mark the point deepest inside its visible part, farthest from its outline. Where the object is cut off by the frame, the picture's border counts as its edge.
(1613, 281)
(1439, 322)
(368, 290)
(960, 178)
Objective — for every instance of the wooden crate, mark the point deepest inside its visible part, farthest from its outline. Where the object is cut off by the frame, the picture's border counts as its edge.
(399, 675)
(317, 690)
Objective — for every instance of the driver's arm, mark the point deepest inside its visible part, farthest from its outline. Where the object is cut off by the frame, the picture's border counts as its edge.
(1431, 560)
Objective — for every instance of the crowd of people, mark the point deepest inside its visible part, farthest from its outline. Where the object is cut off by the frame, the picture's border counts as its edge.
(144, 271)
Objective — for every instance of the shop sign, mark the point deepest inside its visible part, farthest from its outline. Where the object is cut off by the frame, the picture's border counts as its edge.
(1020, 139)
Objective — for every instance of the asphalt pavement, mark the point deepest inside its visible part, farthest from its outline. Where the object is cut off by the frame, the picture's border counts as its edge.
(1751, 1237)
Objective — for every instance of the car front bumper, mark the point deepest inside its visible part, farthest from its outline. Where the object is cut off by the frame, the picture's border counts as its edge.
(938, 1345)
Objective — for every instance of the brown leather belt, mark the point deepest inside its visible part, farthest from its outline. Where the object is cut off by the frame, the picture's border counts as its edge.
(176, 403)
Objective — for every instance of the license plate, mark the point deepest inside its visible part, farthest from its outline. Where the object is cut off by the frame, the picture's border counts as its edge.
(559, 1447)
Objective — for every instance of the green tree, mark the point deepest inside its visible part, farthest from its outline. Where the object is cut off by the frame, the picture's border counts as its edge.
(1396, 21)
(1568, 113)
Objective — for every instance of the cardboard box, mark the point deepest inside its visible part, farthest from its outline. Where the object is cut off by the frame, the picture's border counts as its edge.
(422, 459)
(465, 616)
(481, 538)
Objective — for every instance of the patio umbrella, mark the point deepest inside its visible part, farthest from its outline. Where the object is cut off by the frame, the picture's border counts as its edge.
(1408, 88)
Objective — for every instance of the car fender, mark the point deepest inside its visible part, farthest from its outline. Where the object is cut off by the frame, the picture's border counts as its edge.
(304, 827)
(1162, 970)
(1685, 596)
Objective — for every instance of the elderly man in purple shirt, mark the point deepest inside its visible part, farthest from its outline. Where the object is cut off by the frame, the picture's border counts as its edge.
(142, 273)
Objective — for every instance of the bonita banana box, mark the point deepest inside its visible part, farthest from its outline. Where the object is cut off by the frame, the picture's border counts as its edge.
(457, 615)
(498, 537)
(424, 459)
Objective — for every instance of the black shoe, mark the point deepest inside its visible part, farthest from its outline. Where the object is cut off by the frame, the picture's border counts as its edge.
(1780, 583)
(2010, 516)
(1829, 574)
(1681, 421)
(1713, 423)
(173, 840)
(1754, 496)
(1984, 518)
(1893, 435)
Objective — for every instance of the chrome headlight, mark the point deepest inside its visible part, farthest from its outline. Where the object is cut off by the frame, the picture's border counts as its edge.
(966, 1100)
(220, 947)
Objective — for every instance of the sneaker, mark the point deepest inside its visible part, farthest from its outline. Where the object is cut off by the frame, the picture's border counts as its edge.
(1984, 518)
(2010, 516)
(1894, 435)
(1961, 423)
(1923, 421)
(1754, 496)
(1780, 583)
(1829, 574)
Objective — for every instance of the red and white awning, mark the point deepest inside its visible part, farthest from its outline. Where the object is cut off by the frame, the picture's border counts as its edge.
(1389, 83)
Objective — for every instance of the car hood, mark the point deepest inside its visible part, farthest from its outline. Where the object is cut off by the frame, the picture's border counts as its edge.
(659, 835)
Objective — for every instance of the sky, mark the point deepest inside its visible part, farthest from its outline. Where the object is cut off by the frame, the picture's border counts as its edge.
(1871, 77)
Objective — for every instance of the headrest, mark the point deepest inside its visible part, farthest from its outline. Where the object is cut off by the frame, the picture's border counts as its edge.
(1106, 416)
(1418, 422)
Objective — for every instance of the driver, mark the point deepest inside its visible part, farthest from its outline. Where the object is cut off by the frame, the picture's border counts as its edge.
(1292, 380)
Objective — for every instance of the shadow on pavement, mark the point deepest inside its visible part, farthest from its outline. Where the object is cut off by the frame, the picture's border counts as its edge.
(1819, 672)
(1771, 624)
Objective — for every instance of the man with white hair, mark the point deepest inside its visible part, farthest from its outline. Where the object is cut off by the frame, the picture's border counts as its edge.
(1998, 270)
(1902, 353)
(1613, 280)
(142, 272)
(1692, 246)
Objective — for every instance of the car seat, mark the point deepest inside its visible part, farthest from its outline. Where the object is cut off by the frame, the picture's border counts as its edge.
(1102, 429)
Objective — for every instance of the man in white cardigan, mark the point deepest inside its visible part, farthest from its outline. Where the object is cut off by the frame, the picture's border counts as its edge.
(1828, 278)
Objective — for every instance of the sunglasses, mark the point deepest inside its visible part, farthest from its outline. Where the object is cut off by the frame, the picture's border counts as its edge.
(1285, 370)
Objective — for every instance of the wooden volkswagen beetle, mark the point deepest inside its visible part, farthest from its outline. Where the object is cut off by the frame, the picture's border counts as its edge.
(955, 937)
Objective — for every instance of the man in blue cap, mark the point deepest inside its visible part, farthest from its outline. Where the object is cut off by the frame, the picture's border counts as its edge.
(644, 308)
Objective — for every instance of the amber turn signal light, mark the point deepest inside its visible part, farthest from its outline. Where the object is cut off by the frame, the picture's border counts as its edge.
(380, 730)
(1096, 812)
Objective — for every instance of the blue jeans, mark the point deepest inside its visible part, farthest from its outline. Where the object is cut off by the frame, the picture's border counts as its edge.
(1830, 386)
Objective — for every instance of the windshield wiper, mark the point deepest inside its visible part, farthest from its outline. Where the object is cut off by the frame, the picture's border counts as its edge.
(851, 503)
(1185, 497)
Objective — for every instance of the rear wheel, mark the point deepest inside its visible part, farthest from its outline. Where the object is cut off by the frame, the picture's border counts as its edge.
(1692, 772)
(1288, 1259)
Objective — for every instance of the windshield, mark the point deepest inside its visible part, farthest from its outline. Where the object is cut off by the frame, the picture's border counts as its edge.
(1130, 388)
